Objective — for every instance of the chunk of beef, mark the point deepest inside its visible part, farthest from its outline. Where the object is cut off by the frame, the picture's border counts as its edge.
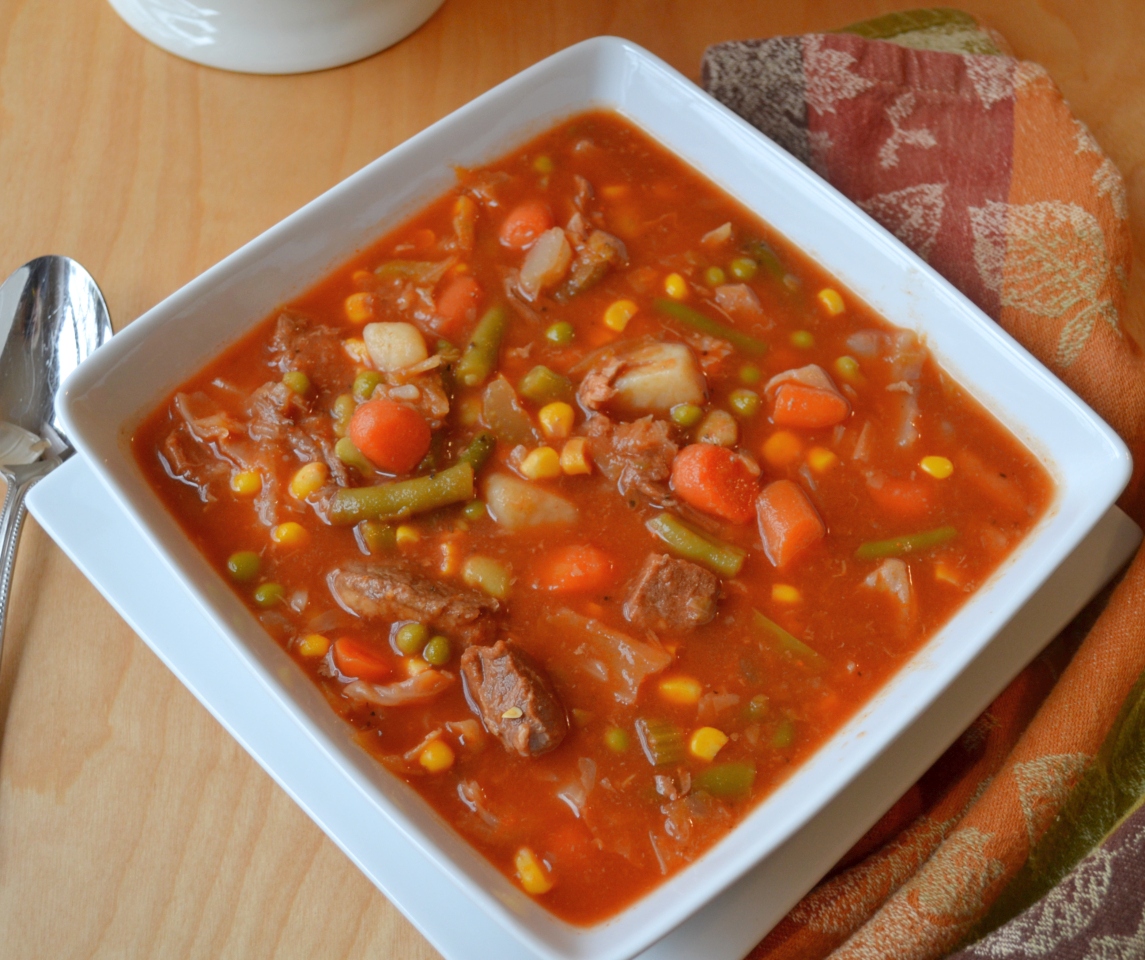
(673, 595)
(393, 592)
(636, 456)
(514, 698)
(299, 344)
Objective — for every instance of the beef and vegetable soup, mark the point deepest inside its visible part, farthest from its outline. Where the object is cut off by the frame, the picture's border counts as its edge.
(591, 504)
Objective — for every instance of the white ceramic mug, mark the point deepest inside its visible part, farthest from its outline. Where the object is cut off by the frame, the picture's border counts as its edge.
(274, 36)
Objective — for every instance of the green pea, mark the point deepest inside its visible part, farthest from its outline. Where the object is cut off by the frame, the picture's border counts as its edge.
(365, 383)
(802, 339)
(756, 708)
(745, 403)
(686, 414)
(474, 510)
(297, 381)
(410, 638)
(244, 565)
(438, 651)
(268, 594)
(560, 333)
(750, 374)
(543, 164)
(743, 268)
(616, 740)
(714, 276)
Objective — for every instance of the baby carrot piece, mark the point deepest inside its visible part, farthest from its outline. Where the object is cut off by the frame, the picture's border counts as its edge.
(798, 405)
(788, 523)
(457, 305)
(909, 499)
(394, 437)
(576, 568)
(354, 659)
(525, 223)
(715, 480)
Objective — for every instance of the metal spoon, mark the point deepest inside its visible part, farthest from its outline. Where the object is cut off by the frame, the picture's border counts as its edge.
(52, 317)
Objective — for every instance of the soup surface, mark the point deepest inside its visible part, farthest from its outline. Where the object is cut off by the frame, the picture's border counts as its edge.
(591, 504)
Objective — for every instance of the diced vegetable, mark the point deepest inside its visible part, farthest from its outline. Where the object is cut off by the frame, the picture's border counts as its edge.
(420, 272)
(675, 286)
(743, 268)
(714, 276)
(784, 734)
(745, 343)
(350, 455)
(556, 420)
(438, 651)
(464, 222)
(406, 533)
(485, 573)
(657, 376)
(357, 660)
(616, 739)
(296, 381)
(661, 740)
(728, 781)
(480, 357)
(908, 499)
(618, 313)
(783, 642)
(719, 428)
(782, 448)
(766, 257)
(269, 594)
(788, 522)
(561, 333)
(309, 479)
(717, 236)
(706, 742)
(532, 873)
(393, 436)
(524, 224)
(365, 383)
(246, 483)
(359, 307)
(517, 504)
(686, 414)
(544, 463)
(436, 756)
(344, 407)
(691, 544)
(542, 385)
(393, 346)
(574, 457)
(715, 480)
(313, 645)
(546, 263)
(938, 467)
(744, 403)
(576, 568)
(457, 304)
(908, 543)
(243, 565)
(806, 398)
(504, 415)
(614, 657)
(419, 688)
(831, 301)
(290, 534)
(598, 255)
(478, 451)
(411, 638)
(681, 689)
(400, 499)
(376, 537)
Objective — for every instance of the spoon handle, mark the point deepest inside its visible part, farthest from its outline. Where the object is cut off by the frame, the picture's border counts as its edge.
(20, 479)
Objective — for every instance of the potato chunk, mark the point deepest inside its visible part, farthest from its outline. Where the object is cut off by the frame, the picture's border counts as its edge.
(648, 377)
(517, 504)
(393, 346)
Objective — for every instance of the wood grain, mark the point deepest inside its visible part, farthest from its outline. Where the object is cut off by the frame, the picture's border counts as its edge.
(131, 825)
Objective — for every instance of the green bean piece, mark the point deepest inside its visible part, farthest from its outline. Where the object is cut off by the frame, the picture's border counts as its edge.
(243, 565)
(561, 333)
(762, 253)
(478, 451)
(391, 500)
(750, 374)
(365, 383)
(698, 321)
(475, 510)
(784, 642)
(480, 357)
(376, 537)
(691, 544)
(662, 741)
(268, 594)
(542, 385)
(728, 781)
(743, 268)
(744, 403)
(296, 381)
(350, 455)
(616, 739)
(438, 651)
(686, 414)
(714, 276)
(784, 734)
(411, 638)
(344, 407)
(757, 707)
(909, 543)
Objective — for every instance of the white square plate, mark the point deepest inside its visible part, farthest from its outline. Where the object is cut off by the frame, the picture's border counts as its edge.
(108, 396)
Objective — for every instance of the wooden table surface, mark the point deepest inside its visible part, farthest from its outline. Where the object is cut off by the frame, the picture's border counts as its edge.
(131, 824)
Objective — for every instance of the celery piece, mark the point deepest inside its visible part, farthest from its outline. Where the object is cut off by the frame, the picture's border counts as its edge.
(662, 741)
(909, 543)
(698, 321)
(728, 781)
(400, 499)
(480, 357)
(691, 544)
(784, 642)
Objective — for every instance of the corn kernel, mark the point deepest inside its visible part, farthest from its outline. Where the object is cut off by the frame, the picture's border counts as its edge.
(831, 301)
(450, 557)
(618, 314)
(938, 467)
(289, 534)
(355, 348)
(309, 479)
(416, 665)
(947, 574)
(680, 689)
(574, 457)
(675, 286)
(785, 593)
(782, 448)
(359, 308)
(313, 645)
(436, 756)
(247, 483)
(541, 464)
(820, 459)
(556, 420)
(532, 873)
(848, 369)
(706, 742)
(407, 534)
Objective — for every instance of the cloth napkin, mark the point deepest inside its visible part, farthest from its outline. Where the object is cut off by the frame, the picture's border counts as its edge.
(1023, 840)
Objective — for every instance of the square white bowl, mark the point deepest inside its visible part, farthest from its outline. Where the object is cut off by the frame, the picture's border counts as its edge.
(107, 397)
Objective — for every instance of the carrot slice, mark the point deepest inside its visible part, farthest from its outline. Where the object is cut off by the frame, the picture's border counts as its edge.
(525, 223)
(798, 405)
(577, 568)
(715, 480)
(393, 436)
(788, 522)
(353, 658)
(909, 499)
(457, 304)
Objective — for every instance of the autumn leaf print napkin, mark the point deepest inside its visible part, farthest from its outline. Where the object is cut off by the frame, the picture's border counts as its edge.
(1024, 839)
